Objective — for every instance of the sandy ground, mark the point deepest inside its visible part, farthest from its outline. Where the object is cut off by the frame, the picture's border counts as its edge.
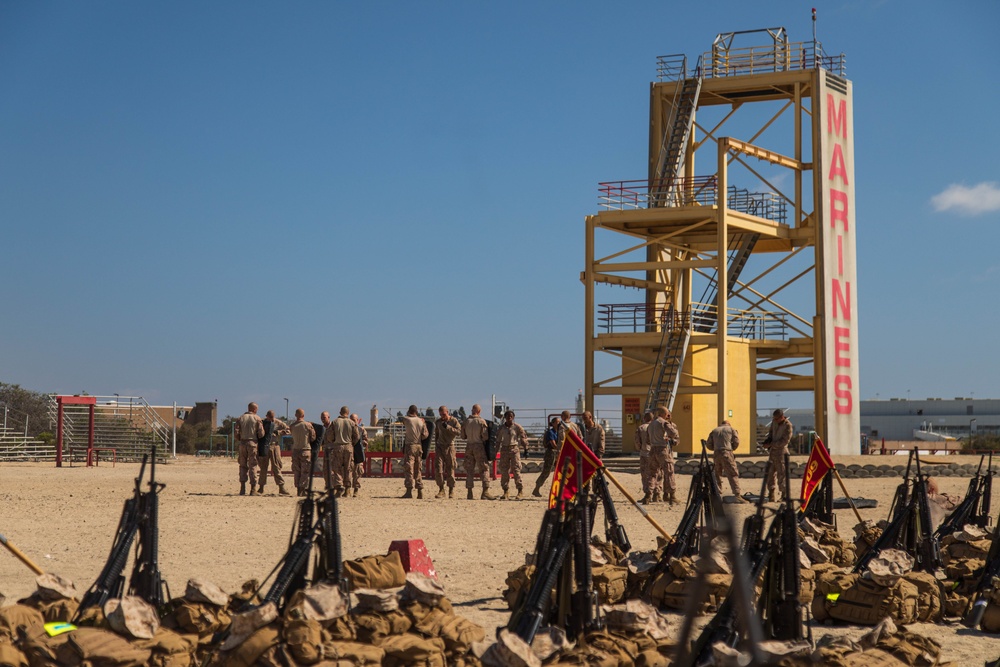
(65, 519)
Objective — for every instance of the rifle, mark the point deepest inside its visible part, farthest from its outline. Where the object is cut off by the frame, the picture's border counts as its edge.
(783, 611)
(146, 581)
(902, 497)
(110, 583)
(981, 517)
(927, 550)
(991, 569)
(329, 562)
(614, 531)
(583, 598)
(753, 527)
(967, 510)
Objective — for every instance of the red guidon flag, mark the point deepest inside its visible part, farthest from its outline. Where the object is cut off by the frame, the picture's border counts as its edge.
(565, 483)
(818, 465)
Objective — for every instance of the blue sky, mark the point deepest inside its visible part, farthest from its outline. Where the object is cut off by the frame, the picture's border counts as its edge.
(358, 203)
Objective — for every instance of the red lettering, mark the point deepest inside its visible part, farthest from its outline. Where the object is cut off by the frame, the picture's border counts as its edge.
(841, 347)
(841, 300)
(836, 117)
(842, 390)
(837, 166)
(838, 208)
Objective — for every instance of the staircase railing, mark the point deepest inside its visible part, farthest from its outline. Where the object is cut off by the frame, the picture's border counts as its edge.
(127, 424)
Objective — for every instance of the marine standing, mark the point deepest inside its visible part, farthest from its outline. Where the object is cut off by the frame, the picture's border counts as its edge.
(358, 467)
(663, 435)
(722, 441)
(476, 432)
(338, 446)
(551, 446)
(415, 430)
(511, 438)
(595, 434)
(249, 427)
(303, 434)
(446, 430)
(642, 444)
(777, 440)
(272, 453)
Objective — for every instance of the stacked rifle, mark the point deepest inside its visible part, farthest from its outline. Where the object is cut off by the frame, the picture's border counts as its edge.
(770, 557)
(910, 527)
(975, 506)
(700, 519)
(317, 529)
(563, 565)
(140, 517)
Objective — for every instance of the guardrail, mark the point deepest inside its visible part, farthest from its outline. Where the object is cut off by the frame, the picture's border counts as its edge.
(643, 318)
(779, 57)
(691, 191)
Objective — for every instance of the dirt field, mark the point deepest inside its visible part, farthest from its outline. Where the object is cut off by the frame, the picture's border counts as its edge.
(65, 519)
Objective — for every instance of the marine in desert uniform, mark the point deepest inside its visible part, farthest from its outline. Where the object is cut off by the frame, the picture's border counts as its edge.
(776, 443)
(272, 455)
(642, 444)
(663, 435)
(475, 432)
(446, 430)
(338, 447)
(595, 434)
(249, 427)
(415, 430)
(722, 441)
(303, 434)
(511, 438)
(358, 468)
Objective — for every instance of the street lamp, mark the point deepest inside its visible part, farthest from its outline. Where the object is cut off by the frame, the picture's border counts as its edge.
(286, 409)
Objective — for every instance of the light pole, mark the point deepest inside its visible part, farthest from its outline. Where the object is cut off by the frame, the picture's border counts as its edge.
(286, 409)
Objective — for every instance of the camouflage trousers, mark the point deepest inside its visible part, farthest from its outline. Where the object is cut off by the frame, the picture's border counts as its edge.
(413, 464)
(247, 457)
(644, 476)
(661, 469)
(725, 466)
(357, 472)
(510, 465)
(273, 459)
(339, 460)
(776, 457)
(301, 467)
(547, 465)
(475, 464)
(444, 466)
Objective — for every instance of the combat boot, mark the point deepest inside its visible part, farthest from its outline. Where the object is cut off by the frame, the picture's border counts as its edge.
(670, 498)
(646, 499)
(354, 493)
(440, 493)
(486, 495)
(408, 494)
(282, 491)
(538, 491)
(243, 488)
(656, 496)
(253, 490)
(469, 496)
(451, 492)
(261, 489)
(420, 494)
(504, 495)
(520, 493)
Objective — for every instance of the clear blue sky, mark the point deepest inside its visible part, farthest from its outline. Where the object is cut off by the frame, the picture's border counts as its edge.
(358, 203)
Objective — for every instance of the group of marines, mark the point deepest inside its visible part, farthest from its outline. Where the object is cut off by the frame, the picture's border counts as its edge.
(655, 439)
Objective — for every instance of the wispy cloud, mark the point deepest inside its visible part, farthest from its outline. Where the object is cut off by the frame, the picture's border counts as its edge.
(976, 200)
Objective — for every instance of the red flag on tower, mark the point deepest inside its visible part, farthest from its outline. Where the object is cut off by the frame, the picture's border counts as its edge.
(818, 465)
(565, 483)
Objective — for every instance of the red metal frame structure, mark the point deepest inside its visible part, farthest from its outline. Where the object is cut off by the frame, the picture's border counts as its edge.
(74, 400)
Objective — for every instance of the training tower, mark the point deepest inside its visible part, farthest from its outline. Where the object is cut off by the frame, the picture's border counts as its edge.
(741, 242)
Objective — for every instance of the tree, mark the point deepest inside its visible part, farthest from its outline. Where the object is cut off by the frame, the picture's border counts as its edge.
(24, 404)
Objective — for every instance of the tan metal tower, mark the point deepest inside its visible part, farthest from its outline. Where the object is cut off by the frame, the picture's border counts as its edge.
(760, 238)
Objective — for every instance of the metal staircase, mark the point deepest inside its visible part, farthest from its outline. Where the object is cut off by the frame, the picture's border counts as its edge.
(740, 249)
(667, 371)
(664, 189)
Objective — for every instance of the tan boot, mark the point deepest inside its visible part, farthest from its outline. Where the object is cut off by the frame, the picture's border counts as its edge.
(656, 495)
(486, 495)
(520, 493)
(451, 492)
(420, 494)
(282, 491)
(670, 498)
(253, 490)
(469, 496)
(440, 493)
(408, 494)
(354, 492)
(504, 495)
(646, 499)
